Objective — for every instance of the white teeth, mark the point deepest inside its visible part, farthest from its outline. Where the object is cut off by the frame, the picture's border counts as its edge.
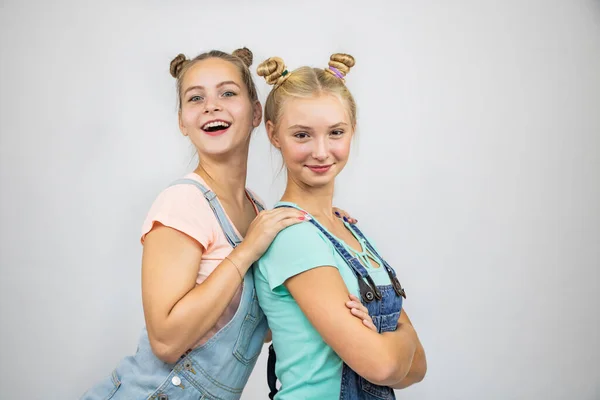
(215, 124)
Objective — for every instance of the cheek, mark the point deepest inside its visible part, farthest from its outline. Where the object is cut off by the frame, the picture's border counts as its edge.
(241, 110)
(189, 115)
(341, 148)
(294, 153)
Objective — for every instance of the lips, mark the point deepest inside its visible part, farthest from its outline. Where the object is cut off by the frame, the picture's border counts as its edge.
(216, 127)
(319, 169)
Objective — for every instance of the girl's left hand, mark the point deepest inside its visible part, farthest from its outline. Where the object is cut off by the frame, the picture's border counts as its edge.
(360, 311)
(344, 215)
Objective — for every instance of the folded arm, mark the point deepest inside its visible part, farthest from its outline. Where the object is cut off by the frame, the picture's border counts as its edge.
(383, 359)
(418, 367)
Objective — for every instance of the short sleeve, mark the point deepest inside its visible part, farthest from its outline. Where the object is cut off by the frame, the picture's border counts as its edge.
(184, 208)
(295, 249)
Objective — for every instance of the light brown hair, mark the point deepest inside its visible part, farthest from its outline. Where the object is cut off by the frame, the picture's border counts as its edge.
(241, 58)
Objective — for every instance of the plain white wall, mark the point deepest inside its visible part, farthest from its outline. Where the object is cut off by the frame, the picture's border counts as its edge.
(477, 171)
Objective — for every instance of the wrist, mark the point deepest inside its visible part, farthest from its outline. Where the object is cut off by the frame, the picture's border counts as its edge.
(239, 271)
(242, 257)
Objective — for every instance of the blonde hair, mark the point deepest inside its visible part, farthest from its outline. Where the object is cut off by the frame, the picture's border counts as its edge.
(305, 82)
(241, 58)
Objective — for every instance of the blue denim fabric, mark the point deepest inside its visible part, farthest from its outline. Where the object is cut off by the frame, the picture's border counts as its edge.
(217, 370)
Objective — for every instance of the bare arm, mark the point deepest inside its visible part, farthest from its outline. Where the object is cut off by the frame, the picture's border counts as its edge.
(177, 311)
(418, 368)
(383, 359)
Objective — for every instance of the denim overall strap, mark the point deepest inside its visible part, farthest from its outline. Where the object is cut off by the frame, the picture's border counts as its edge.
(368, 292)
(391, 273)
(218, 210)
(257, 203)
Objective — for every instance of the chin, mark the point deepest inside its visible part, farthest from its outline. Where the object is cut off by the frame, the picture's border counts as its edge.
(216, 150)
(223, 148)
(318, 182)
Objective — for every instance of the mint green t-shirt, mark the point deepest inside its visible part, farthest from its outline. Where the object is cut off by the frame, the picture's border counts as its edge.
(306, 366)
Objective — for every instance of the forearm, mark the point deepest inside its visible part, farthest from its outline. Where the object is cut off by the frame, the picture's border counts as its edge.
(383, 359)
(417, 370)
(398, 350)
(198, 311)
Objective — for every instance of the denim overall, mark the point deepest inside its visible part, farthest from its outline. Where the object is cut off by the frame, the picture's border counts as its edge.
(216, 370)
(383, 303)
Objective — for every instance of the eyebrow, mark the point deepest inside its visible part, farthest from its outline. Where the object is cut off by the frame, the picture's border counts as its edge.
(308, 128)
(218, 86)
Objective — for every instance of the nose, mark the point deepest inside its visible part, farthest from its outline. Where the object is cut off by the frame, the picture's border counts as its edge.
(321, 149)
(211, 105)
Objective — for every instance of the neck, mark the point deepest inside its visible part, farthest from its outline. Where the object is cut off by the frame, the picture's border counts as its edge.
(316, 201)
(226, 175)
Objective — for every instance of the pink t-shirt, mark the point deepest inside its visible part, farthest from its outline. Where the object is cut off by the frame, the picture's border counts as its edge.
(183, 207)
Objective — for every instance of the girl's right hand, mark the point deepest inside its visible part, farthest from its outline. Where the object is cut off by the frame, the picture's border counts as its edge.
(263, 230)
(360, 311)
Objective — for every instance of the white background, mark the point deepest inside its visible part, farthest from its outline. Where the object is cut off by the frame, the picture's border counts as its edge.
(476, 171)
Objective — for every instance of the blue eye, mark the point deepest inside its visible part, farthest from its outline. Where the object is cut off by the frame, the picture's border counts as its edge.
(195, 98)
(229, 94)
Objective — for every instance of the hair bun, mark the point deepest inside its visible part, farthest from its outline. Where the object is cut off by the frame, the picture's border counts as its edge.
(272, 70)
(342, 62)
(177, 64)
(245, 55)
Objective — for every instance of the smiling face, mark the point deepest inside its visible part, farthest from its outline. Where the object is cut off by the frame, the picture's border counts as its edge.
(216, 110)
(314, 135)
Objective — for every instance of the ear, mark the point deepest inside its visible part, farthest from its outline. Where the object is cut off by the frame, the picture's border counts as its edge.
(258, 112)
(181, 127)
(272, 135)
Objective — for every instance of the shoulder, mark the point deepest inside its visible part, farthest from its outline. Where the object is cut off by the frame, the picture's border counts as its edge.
(302, 235)
(182, 206)
(296, 249)
(181, 198)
